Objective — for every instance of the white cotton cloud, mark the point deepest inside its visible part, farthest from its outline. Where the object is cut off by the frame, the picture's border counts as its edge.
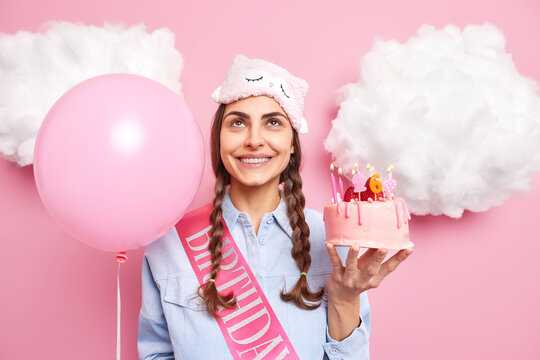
(37, 68)
(451, 112)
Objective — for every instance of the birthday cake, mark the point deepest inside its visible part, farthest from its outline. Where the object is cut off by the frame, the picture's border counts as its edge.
(369, 215)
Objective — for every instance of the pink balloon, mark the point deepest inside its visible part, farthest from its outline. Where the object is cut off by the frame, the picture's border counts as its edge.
(117, 161)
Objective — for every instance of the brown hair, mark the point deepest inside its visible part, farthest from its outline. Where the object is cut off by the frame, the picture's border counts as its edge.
(294, 197)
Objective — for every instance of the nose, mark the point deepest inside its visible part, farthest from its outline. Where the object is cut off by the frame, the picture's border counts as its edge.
(254, 138)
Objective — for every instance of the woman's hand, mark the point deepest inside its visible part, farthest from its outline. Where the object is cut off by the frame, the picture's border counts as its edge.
(346, 283)
(360, 273)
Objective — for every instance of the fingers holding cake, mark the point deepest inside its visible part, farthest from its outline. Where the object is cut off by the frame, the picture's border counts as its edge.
(334, 257)
(369, 265)
(368, 255)
(351, 262)
(392, 263)
(361, 273)
(373, 267)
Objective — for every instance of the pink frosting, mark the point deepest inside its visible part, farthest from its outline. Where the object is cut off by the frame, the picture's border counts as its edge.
(359, 213)
(397, 213)
(381, 224)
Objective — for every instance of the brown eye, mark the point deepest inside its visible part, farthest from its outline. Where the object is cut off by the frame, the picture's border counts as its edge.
(274, 122)
(237, 122)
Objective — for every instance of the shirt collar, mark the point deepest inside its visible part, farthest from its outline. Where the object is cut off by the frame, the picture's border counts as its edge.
(280, 214)
(231, 213)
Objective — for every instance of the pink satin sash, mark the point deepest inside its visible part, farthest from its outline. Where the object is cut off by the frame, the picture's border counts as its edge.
(251, 329)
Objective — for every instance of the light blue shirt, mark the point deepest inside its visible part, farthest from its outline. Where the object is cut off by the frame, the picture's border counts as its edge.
(173, 323)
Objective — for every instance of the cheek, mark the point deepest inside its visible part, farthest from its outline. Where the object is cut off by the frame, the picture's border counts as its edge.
(283, 144)
(227, 144)
(227, 161)
(286, 161)
(225, 153)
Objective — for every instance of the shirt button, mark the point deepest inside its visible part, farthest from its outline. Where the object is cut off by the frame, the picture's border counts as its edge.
(270, 219)
(334, 351)
(262, 241)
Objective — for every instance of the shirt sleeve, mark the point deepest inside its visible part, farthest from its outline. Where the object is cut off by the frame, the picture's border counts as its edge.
(356, 345)
(153, 335)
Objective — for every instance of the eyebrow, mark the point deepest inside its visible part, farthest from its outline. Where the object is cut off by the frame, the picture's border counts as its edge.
(244, 115)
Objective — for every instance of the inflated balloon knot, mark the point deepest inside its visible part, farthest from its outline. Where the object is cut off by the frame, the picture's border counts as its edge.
(121, 257)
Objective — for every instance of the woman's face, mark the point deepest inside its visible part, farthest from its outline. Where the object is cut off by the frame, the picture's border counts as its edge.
(256, 141)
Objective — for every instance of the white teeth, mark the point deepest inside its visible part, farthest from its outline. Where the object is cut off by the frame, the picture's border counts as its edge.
(254, 160)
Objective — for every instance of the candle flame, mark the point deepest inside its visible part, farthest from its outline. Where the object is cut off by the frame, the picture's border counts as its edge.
(339, 171)
(332, 167)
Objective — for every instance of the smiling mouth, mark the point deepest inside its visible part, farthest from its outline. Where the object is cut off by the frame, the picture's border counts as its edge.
(251, 160)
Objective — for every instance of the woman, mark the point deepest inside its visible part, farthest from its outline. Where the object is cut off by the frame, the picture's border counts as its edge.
(320, 308)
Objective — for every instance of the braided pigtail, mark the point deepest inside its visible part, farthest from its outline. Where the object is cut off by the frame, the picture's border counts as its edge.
(294, 197)
(208, 292)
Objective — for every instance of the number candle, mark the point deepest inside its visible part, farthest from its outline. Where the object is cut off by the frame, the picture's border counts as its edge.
(374, 184)
(333, 182)
(389, 185)
(358, 181)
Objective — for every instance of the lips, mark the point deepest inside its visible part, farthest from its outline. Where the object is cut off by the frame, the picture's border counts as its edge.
(254, 159)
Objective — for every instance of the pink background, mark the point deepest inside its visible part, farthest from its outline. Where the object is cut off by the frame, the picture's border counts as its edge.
(470, 290)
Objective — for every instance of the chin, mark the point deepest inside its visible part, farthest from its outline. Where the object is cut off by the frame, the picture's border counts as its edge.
(253, 183)
(256, 181)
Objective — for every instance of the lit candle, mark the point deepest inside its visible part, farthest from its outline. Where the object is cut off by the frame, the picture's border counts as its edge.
(389, 185)
(340, 182)
(333, 182)
(375, 185)
(389, 169)
(371, 168)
